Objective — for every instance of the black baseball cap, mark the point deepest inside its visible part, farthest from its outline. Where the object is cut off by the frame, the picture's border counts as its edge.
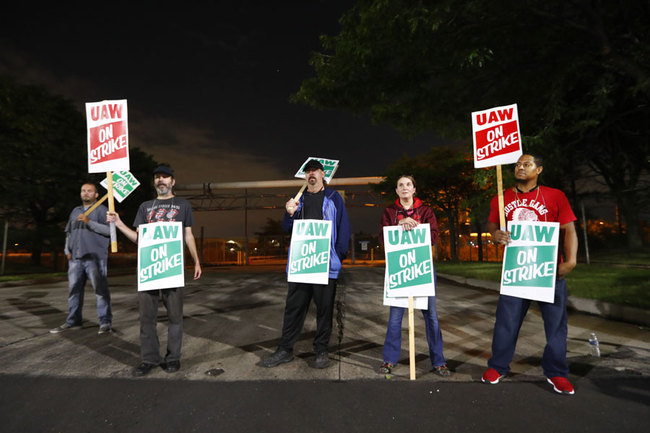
(163, 169)
(313, 164)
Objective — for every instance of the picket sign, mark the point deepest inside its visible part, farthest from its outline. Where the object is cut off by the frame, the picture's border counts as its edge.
(329, 167)
(497, 141)
(530, 260)
(126, 184)
(409, 273)
(108, 145)
(309, 252)
(409, 262)
(160, 256)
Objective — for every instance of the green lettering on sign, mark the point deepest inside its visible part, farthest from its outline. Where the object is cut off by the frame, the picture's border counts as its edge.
(160, 261)
(410, 267)
(530, 266)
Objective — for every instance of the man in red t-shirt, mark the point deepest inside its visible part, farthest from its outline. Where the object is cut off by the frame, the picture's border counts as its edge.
(529, 201)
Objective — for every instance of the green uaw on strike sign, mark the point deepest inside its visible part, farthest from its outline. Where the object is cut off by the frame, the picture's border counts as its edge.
(160, 256)
(409, 262)
(309, 257)
(530, 260)
(123, 184)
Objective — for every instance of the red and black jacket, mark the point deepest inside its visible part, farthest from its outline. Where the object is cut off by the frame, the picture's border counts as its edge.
(419, 212)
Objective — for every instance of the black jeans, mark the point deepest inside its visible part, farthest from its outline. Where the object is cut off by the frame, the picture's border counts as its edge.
(148, 305)
(295, 311)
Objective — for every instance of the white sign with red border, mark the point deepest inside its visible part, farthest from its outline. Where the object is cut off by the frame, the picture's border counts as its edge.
(108, 136)
(497, 140)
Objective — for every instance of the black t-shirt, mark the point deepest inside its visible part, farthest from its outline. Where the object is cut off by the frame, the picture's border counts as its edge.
(171, 209)
(313, 205)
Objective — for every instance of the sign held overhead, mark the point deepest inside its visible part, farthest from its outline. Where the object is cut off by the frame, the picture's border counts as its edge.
(497, 140)
(108, 136)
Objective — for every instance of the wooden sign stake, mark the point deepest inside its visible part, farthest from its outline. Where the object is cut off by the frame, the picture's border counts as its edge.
(297, 197)
(111, 208)
(97, 203)
(502, 217)
(411, 339)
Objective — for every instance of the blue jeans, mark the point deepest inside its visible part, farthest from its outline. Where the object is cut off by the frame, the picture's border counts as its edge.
(509, 317)
(92, 268)
(393, 343)
(148, 306)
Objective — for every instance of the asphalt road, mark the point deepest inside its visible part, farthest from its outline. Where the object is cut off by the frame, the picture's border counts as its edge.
(79, 381)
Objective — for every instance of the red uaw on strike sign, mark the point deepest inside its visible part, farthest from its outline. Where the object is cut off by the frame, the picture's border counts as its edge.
(108, 136)
(496, 136)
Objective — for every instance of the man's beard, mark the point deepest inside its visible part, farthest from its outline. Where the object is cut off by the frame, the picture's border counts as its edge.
(162, 189)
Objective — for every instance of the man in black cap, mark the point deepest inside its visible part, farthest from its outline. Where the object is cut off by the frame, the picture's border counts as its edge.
(321, 203)
(164, 208)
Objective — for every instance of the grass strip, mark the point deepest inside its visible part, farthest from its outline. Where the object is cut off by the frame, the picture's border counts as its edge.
(615, 284)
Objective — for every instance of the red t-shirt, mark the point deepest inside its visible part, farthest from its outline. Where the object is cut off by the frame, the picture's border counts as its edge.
(541, 204)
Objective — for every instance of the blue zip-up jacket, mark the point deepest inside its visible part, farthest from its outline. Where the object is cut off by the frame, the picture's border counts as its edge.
(333, 210)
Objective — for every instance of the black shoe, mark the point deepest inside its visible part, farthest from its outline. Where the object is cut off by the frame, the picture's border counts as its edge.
(280, 356)
(143, 369)
(173, 366)
(322, 360)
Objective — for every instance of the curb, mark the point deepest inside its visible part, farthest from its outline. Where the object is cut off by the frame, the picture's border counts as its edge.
(618, 312)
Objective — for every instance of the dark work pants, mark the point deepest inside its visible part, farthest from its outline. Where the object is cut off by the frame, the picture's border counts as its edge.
(148, 305)
(509, 317)
(295, 311)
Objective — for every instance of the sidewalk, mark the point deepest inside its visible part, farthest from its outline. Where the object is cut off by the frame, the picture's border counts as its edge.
(233, 318)
(79, 381)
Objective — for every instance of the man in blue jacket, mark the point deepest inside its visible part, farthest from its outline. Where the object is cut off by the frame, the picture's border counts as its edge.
(318, 202)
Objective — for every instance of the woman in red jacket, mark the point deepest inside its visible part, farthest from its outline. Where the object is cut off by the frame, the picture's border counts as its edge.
(408, 211)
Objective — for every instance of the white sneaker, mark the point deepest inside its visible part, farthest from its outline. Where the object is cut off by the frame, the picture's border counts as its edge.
(62, 328)
(105, 328)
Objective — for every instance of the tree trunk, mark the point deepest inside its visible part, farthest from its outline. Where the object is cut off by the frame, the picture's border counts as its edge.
(453, 238)
(629, 212)
(479, 241)
(37, 247)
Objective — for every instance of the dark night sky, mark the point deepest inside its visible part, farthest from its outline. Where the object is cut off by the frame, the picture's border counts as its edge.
(207, 86)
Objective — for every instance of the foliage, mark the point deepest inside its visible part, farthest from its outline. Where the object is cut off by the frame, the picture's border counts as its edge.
(40, 171)
(579, 71)
(44, 163)
(443, 179)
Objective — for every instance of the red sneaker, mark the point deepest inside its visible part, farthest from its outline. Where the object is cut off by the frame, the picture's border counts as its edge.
(561, 385)
(491, 376)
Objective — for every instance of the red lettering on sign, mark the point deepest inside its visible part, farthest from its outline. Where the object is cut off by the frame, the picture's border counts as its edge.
(106, 112)
(494, 116)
